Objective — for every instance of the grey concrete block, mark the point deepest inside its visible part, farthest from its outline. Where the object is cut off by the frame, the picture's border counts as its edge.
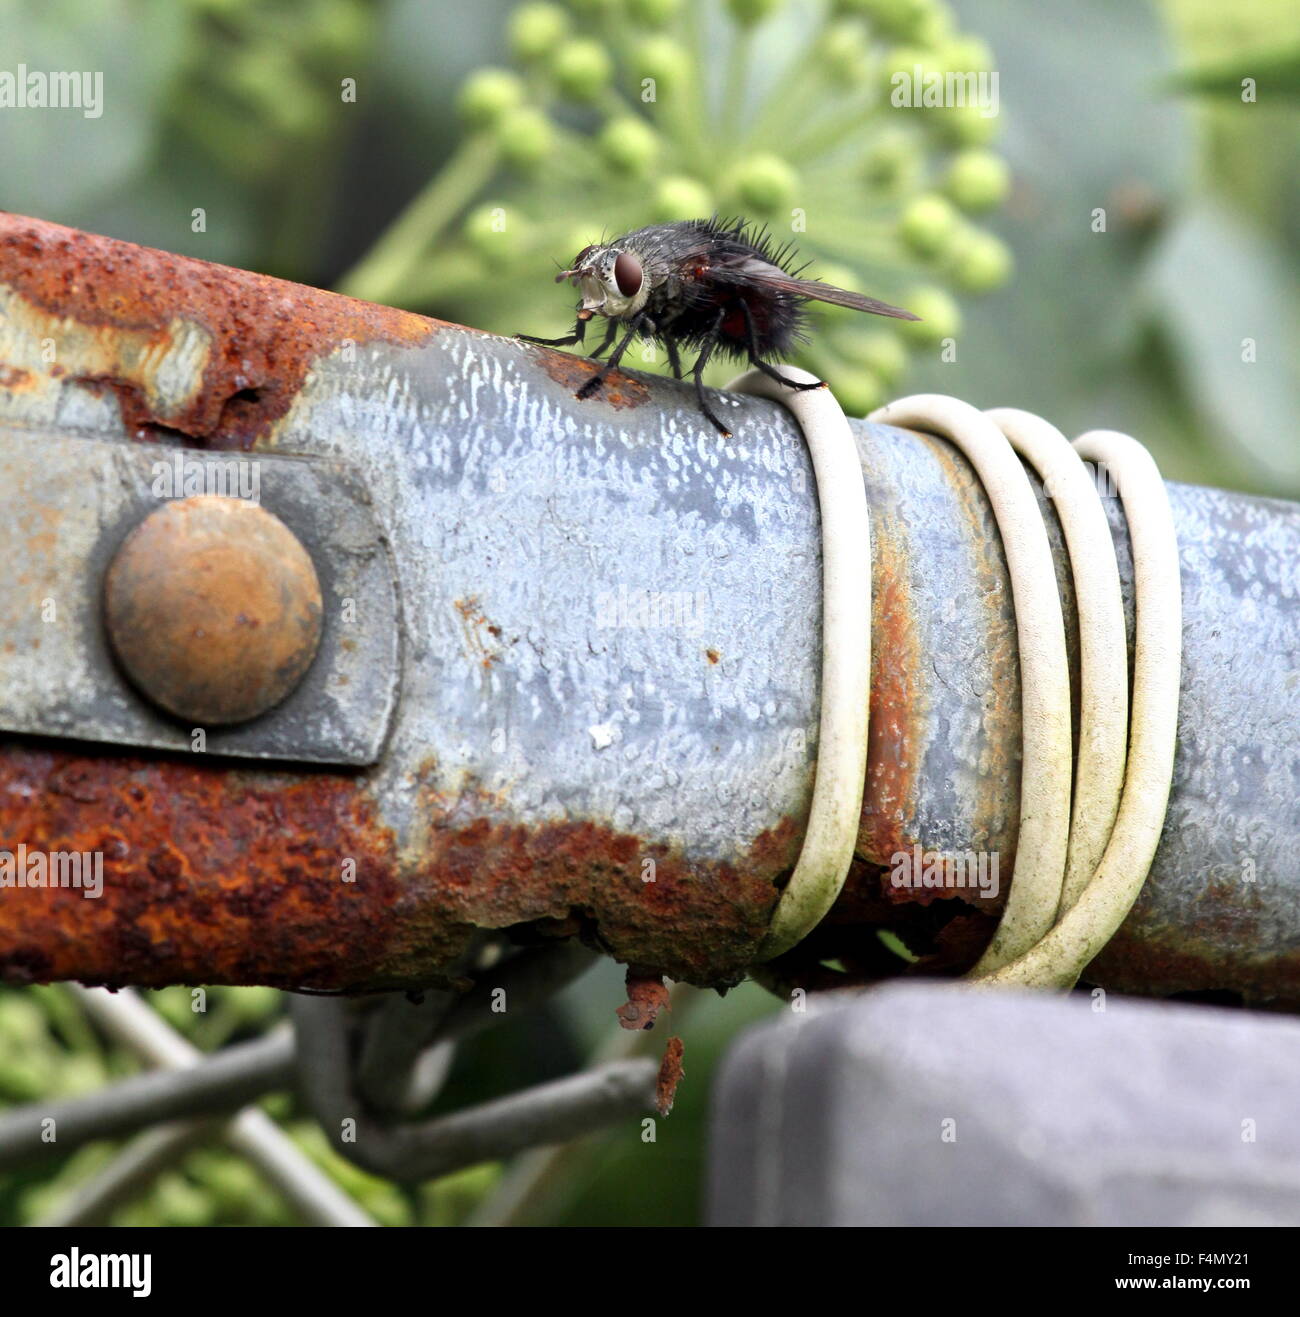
(924, 1104)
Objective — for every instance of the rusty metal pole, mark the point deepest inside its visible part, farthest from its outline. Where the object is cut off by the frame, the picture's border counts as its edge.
(588, 698)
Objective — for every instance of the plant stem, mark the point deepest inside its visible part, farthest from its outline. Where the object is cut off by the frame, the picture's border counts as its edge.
(382, 271)
(737, 84)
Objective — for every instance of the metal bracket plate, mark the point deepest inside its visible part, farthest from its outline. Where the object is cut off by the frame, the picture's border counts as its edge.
(67, 503)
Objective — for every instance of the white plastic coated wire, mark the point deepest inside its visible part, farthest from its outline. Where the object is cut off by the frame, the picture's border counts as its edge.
(1088, 833)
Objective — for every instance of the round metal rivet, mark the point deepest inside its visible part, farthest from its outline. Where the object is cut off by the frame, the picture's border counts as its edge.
(213, 608)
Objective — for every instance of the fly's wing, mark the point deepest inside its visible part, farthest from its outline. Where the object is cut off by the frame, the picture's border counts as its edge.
(772, 276)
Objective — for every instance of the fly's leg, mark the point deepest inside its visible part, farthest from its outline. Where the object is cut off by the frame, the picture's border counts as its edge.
(614, 358)
(697, 374)
(670, 347)
(579, 333)
(611, 328)
(765, 367)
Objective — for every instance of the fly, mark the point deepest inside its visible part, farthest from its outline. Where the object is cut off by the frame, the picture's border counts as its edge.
(708, 286)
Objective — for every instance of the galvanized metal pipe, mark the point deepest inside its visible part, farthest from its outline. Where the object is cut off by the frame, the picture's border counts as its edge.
(608, 701)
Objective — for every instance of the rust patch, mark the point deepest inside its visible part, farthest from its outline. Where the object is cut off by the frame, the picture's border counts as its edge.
(647, 997)
(894, 735)
(619, 390)
(670, 1075)
(998, 784)
(695, 920)
(265, 332)
(209, 876)
(472, 624)
(712, 655)
(221, 875)
(1226, 945)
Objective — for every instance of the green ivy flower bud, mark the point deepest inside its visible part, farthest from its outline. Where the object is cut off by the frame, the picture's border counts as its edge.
(880, 350)
(980, 262)
(525, 136)
(536, 29)
(906, 58)
(629, 146)
(662, 59)
(962, 125)
(940, 315)
(252, 1005)
(904, 20)
(892, 164)
(844, 50)
(679, 198)
(900, 84)
(928, 225)
(488, 95)
(24, 1024)
(764, 183)
(495, 232)
(231, 1182)
(28, 1078)
(654, 13)
(858, 391)
(749, 12)
(978, 180)
(582, 69)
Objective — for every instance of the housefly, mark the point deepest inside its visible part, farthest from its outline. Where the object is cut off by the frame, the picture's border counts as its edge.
(708, 286)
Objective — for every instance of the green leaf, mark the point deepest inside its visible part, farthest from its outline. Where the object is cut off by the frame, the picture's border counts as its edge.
(1221, 291)
(1275, 73)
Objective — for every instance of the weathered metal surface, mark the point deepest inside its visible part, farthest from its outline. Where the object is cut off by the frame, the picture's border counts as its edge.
(214, 609)
(608, 705)
(67, 504)
(148, 342)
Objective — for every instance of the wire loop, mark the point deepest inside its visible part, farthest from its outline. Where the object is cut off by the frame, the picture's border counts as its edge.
(1088, 832)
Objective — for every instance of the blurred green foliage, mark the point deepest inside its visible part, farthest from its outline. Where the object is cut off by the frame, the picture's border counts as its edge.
(487, 142)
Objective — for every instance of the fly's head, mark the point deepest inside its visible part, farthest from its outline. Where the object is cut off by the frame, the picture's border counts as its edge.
(612, 279)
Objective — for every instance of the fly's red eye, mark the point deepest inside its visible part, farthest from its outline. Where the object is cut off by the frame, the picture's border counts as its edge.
(627, 274)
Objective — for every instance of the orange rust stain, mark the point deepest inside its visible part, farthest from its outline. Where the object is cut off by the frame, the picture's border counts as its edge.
(670, 1075)
(209, 876)
(619, 390)
(712, 655)
(1230, 948)
(894, 742)
(642, 902)
(647, 997)
(214, 875)
(266, 333)
(473, 623)
(999, 778)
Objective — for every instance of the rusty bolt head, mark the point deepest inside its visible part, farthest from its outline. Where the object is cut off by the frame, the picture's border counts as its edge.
(213, 608)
